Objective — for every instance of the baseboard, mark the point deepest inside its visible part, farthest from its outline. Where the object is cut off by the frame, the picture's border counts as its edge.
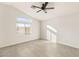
(66, 44)
(17, 43)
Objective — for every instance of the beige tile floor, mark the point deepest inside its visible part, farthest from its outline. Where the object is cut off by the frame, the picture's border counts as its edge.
(39, 48)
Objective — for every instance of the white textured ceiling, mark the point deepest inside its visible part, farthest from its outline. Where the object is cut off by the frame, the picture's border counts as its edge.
(61, 8)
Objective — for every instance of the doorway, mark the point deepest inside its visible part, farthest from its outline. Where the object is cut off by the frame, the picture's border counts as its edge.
(51, 33)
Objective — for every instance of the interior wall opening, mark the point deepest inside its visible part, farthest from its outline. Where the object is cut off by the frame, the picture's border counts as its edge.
(51, 33)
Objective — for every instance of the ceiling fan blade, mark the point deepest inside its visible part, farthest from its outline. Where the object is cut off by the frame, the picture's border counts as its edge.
(33, 6)
(50, 8)
(38, 11)
(46, 3)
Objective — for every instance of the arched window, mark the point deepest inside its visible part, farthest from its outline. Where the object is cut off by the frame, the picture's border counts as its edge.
(24, 25)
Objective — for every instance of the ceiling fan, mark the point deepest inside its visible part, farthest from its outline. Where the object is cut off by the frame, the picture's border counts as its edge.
(43, 7)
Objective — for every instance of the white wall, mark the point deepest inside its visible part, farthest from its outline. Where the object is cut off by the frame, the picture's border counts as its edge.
(8, 35)
(67, 27)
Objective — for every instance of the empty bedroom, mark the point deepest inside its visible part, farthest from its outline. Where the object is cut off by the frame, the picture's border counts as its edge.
(39, 29)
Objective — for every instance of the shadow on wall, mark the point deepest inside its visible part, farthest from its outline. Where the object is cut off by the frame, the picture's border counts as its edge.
(51, 33)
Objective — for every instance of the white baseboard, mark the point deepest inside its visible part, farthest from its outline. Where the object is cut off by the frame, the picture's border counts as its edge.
(16, 43)
(73, 46)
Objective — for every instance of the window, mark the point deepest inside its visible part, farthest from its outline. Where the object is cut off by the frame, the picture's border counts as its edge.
(24, 25)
